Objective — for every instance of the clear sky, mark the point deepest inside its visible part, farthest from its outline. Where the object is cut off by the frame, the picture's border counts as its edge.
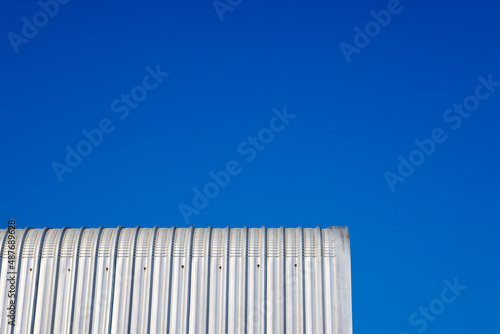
(380, 116)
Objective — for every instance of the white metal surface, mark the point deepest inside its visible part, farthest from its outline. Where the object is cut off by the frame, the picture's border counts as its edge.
(180, 280)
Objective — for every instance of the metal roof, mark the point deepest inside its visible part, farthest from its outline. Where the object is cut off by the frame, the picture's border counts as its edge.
(179, 280)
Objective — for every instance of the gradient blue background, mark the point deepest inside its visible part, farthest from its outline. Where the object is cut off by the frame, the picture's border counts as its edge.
(326, 168)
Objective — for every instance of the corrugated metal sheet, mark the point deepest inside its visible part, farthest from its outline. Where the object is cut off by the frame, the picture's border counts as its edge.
(179, 280)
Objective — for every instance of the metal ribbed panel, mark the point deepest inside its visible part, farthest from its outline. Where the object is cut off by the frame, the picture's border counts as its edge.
(180, 280)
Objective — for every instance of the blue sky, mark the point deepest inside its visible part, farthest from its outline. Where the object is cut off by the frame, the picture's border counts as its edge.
(352, 118)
